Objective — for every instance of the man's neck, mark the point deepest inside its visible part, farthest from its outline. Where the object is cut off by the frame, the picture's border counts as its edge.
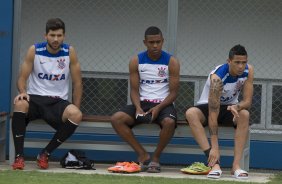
(51, 50)
(154, 57)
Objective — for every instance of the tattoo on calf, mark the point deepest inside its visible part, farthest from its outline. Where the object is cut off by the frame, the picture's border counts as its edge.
(213, 130)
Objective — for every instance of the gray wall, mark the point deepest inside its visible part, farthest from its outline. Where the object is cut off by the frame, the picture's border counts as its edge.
(107, 33)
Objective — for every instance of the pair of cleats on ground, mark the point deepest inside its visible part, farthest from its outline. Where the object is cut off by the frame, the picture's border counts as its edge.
(132, 167)
(42, 162)
(198, 168)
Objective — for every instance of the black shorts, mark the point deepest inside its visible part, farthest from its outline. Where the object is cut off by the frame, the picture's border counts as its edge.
(168, 111)
(225, 117)
(47, 108)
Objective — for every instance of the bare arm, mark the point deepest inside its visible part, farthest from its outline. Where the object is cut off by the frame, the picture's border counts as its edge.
(214, 103)
(134, 84)
(248, 89)
(25, 71)
(76, 78)
(216, 87)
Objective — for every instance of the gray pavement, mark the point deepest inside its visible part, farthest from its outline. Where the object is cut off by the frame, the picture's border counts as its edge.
(167, 171)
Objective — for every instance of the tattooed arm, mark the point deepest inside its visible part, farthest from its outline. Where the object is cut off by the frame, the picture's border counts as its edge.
(216, 87)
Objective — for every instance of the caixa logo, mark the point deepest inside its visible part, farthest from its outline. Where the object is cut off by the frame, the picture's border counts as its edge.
(153, 81)
(52, 77)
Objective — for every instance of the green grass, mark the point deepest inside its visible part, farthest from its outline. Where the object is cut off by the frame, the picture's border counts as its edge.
(35, 177)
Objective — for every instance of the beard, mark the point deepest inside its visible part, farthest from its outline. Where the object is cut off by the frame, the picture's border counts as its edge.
(57, 48)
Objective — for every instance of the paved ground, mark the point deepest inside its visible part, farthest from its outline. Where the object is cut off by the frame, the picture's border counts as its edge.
(167, 171)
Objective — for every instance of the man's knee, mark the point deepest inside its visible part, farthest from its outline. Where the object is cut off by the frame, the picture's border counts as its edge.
(78, 114)
(168, 123)
(244, 119)
(73, 113)
(244, 114)
(21, 106)
(192, 116)
(119, 118)
(114, 118)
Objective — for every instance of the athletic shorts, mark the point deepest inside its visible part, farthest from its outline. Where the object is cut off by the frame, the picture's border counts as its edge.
(225, 117)
(47, 108)
(168, 111)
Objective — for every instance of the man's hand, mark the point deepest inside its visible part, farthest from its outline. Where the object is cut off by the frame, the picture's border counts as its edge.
(22, 96)
(144, 118)
(213, 157)
(155, 112)
(234, 110)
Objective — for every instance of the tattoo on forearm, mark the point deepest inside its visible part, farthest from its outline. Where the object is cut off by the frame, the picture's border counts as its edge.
(214, 95)
(213, 130)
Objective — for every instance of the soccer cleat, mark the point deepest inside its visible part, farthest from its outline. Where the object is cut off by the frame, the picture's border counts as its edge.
(18, 163)
(42, 160)
(118, 167)
(196, 168)
(131, 168)
(125, 167)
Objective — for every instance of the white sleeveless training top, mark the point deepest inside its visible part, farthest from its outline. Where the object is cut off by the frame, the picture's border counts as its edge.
(50, 74)
(231, 85)
(154, 77)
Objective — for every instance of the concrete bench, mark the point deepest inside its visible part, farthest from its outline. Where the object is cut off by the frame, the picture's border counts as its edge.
(101, 125)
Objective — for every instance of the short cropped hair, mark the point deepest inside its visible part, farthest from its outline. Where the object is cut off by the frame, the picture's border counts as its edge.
(153, 30)
(237, 50)
(55, 24)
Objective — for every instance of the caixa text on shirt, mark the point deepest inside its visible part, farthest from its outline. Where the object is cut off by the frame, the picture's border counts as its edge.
(153, 81)
(53, 77)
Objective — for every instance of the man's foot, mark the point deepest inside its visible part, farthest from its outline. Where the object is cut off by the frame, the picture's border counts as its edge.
(143, 157)
(144, 161)
(240, 174)
(154, 167)
(215, 172)
(42, 160)
(18, 163)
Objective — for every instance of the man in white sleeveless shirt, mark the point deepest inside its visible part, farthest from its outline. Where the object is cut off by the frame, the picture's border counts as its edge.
(219, 104)
(154, 82)
(43, 86)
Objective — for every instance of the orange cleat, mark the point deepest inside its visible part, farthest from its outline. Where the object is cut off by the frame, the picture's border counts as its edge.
(118, 167)
(131, 168)
(125, 167)
(42, 161)
(18, 163)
